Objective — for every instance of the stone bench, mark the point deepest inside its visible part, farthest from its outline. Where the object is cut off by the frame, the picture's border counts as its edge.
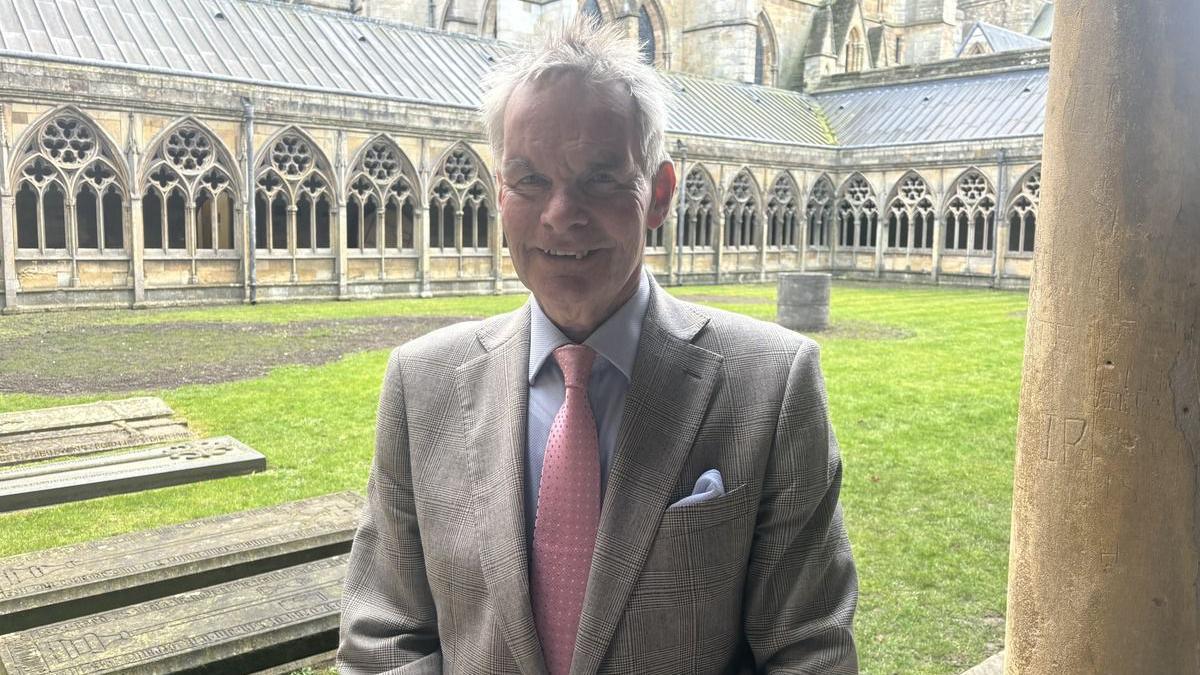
(63, 583)
(74, 480)
(47, 433)
(238, 626)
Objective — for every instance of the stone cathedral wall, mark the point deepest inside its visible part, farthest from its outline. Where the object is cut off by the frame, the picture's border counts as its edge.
(133, 113)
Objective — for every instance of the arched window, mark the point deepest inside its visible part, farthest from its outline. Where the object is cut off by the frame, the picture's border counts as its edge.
(460, 204)
(858, 214)
(971, 214)
(591, 9)
(695, 231)
(69, 192)
(487, 27)
(782, 210)
(855, 51)
(820, 213)
(910, 215)
(381, 201)
(741, 212)
(1022, 213)
(188, 189)
(646, 36)
(764, 51)
(293, 196)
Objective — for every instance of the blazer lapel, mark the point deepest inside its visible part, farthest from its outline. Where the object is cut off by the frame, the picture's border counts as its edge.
(673, 381)
(494, 394)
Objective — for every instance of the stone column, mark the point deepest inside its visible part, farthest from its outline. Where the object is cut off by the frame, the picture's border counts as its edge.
(8, 249)
(341, 260)
(1104, 573)
(939, 233)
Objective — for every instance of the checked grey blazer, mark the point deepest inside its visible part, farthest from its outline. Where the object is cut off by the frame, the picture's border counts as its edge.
(760, 578)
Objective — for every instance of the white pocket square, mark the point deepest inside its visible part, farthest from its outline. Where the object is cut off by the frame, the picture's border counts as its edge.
(709, 486)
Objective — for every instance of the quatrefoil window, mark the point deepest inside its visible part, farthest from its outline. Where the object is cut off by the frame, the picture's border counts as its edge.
(99, 174)
(291, 155)
(189, 149)
(68, 141)
(39, 171)
(459, 167)
(164, 176)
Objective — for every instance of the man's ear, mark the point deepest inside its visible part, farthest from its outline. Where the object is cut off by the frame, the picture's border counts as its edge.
(662, 190)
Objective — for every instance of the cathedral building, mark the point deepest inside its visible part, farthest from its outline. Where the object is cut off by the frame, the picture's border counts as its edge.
(198, 151)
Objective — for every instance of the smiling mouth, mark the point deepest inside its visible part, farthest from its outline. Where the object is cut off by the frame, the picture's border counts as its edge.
(563, 253)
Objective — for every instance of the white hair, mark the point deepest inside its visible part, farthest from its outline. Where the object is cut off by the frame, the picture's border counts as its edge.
(600, 54)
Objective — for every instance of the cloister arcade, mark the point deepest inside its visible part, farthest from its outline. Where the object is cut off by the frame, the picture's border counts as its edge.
(382, 224)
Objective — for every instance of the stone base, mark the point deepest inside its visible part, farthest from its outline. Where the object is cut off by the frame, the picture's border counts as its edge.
(992, 666)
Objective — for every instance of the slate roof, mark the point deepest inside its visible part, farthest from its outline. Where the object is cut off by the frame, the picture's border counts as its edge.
(1001, 39)
(995, 105)
(267, 42)
(262, 42)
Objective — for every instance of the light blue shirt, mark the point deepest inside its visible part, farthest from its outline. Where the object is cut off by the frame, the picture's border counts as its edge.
(615, 343)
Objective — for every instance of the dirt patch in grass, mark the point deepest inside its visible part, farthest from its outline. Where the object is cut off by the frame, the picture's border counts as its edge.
(865, 330)
(66, 357)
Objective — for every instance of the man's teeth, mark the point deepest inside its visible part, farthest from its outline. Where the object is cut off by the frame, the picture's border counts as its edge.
(579, 255)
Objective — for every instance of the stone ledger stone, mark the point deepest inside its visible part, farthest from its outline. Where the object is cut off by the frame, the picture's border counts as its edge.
(132, 471)
(239, 626)
(62, 583)
(31, 435)
(804, 301)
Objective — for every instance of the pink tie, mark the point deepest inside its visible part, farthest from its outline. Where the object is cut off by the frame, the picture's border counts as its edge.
(568, 513)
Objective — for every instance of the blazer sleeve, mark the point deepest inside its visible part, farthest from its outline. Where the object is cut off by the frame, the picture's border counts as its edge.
(801, 587)
(389, 621)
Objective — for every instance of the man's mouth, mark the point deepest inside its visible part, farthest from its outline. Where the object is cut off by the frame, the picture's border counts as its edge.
(565, 253)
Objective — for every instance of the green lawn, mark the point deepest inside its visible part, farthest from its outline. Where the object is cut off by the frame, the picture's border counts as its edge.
(923, 384)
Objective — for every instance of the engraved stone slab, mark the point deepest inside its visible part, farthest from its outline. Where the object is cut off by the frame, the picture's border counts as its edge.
(31, 435)
(803, 301)
(40, 587)
(131, 471)
(238, 626)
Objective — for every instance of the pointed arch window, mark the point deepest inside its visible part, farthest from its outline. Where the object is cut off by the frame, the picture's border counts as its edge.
(741, 212)
(646, 36)
(1022, 214)
(971, 214)
(820, 213)
(381, 200)
(460, 204)
(855, 51)
(764, 52)
(293, 197)
(695, 231)
(68, 192)
(857, 214)
(188, 196)
(591, 9)
(782, 213)
(911, 215)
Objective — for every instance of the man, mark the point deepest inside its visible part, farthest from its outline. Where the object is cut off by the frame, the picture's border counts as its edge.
(608, 479)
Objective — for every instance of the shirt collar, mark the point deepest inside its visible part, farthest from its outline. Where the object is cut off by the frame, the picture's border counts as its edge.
(616, 339)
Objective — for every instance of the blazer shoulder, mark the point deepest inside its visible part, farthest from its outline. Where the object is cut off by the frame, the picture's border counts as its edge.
(732, 334)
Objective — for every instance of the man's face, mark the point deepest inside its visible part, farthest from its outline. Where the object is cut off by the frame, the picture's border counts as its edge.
(574, 200)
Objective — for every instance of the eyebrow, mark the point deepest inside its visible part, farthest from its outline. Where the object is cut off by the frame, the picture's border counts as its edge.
(606, 163)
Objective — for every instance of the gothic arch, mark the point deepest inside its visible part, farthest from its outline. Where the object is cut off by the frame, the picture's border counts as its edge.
(70, 185)
(461, 201)
(700, 198)
(1022, 210)
(382, 197)
(766, 52)
(488, 20)
(818, 209)
(296, 192)
(605, 7)
(857, 213)
(910, 213)
(659, 33)
(191, 189)
(743, 201)
(783, 211)
(969, 211)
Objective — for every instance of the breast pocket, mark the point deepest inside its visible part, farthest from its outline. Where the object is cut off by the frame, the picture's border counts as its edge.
(711, 533)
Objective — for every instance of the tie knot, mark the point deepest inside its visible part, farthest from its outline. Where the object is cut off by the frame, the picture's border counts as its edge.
(575, 361)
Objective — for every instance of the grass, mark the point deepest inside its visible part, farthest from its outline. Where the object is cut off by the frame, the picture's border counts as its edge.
(923, 385)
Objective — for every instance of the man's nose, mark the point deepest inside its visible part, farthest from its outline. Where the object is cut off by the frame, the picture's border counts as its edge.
(564, 209)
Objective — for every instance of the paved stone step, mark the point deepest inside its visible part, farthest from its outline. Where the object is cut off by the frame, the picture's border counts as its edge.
(42, 587)
(132, 471)
(46, 433)
(239, 626)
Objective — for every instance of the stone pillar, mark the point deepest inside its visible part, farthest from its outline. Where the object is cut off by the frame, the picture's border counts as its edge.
(939, 228)
(1104, 573)
(8, 249)
(341, 256)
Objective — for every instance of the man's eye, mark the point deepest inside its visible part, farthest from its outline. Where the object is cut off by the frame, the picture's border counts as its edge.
(602, 178)
(530, 180)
